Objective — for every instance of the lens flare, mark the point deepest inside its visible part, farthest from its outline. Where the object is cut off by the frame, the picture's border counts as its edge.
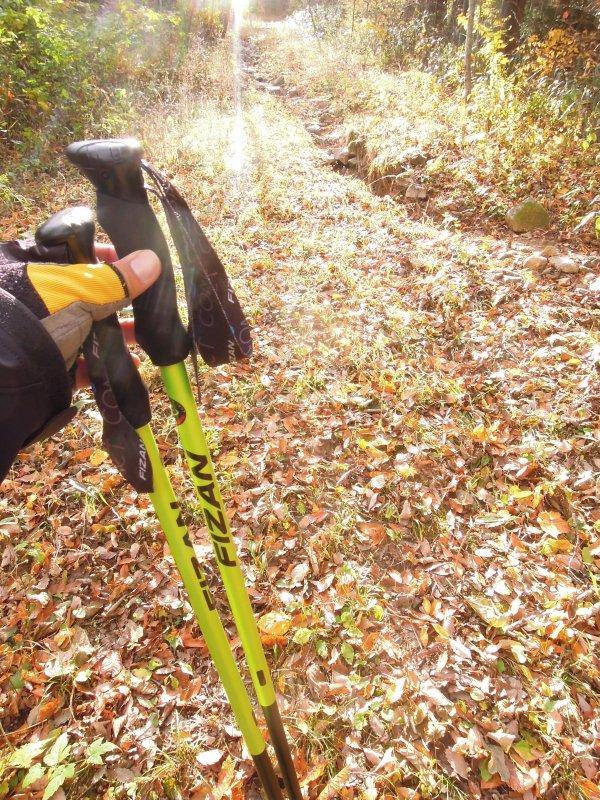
(236, 159)
(239, 9)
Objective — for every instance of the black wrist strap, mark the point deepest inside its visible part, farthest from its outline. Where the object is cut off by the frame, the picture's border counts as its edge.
(217, 325)
(122, 400)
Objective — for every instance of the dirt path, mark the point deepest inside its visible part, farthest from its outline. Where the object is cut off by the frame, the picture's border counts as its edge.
(410, 461)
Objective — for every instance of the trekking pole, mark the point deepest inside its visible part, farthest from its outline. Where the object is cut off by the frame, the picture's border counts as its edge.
(75, 228)
(124, 211)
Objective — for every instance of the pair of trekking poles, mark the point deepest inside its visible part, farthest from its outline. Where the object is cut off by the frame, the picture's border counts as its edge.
(124, 211)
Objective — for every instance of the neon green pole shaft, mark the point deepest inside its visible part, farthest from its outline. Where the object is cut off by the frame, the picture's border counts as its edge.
(177, 535)
(197, 454)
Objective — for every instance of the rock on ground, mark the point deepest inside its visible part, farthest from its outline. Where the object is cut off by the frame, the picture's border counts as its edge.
(564, 264)
(527, 216)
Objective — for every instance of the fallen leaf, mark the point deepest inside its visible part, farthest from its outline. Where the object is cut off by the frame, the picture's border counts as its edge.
(335, 785)
(553, 523)
(208, 758)
(458, 763)
(275, 623)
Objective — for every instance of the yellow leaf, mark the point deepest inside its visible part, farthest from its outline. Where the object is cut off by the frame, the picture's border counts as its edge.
(335, 784)
(488, 611)
(519, 494)
(275, 623)
(440, 630)
(553, 546)
(98, 457)
(395, 690)
(315, 773)
(552, 523)
(406, 471)
(588, 788)
(480, 433)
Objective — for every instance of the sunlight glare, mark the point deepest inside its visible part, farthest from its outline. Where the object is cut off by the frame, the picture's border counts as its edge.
(236, 158)
(239, 9)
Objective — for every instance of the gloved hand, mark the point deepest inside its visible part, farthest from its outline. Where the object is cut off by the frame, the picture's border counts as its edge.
(46, 313)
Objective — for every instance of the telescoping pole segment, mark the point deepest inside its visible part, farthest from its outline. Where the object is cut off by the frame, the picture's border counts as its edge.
(177, 535)
(197, 453)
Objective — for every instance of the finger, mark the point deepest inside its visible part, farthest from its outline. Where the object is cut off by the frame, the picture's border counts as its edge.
(105, 252)
(82, 376)
(128, 330)
(139, 269)
(77, 294)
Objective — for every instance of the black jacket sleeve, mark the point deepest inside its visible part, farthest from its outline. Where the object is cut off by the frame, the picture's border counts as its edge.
(35, 388)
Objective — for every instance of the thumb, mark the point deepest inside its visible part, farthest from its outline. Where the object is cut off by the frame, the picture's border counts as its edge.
(139, 270)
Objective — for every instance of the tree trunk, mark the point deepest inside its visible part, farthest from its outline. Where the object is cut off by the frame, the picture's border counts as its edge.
(312, 18)
(469, 49)
(436, 9)
(451, 19)
(512, 15)
(408, 12)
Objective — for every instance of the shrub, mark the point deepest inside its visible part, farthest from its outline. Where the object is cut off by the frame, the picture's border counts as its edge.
(66, 66)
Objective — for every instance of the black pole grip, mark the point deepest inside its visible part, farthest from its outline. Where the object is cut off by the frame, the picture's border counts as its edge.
(75, 227)
(114, 167)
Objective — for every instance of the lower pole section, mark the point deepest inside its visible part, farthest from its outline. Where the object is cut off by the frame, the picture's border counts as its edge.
(267, 776)
(282, 749)
(171, 519)
(197, 453)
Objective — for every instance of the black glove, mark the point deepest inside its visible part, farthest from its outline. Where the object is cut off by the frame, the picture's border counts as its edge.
(46, 313)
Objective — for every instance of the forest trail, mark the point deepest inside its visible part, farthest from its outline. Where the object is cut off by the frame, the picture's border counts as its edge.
(430, 442)
(409, 463)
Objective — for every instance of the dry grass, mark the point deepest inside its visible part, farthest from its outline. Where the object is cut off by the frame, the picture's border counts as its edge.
(506, 145)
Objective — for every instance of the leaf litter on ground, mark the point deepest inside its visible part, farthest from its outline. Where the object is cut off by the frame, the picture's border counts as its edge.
(410, 462)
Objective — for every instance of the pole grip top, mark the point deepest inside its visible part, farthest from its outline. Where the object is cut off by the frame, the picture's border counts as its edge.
(74, 227)
(114, 168)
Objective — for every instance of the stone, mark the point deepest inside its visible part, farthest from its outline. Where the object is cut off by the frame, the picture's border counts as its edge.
(357, 146)
(413, 157)
(535, 261)
(595, 285)
(592, 262)
(415, 192)
(342, 155)
(505, 255)
(527, 216)
(550, 250)
(564, 264)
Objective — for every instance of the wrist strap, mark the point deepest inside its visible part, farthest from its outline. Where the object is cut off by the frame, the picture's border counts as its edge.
(219, 330)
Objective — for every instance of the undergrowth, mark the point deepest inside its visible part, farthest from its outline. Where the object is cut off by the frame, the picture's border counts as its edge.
(517, 137)
(71, 70)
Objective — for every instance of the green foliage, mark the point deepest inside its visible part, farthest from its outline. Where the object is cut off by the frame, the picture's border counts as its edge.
(69, 68)
(532, 122)
(210, 23)
(50, 759)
